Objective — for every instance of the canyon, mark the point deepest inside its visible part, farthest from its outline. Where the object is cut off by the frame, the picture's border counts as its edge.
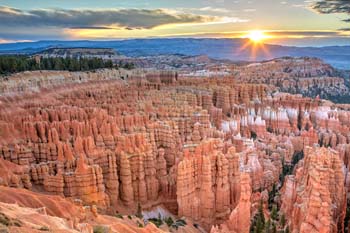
(154, 151)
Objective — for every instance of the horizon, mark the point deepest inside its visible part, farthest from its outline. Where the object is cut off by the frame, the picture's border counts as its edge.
(299, 23)
(297, 44)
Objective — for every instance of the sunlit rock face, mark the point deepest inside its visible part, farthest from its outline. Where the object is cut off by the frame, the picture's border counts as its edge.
(208, 183)
(314, 199)
(239, 219)
(209, 150)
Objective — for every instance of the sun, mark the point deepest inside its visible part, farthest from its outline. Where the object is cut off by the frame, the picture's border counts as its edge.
(255, 43)
(257, 36)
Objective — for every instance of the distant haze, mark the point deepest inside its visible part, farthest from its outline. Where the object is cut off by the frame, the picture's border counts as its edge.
(233, 49)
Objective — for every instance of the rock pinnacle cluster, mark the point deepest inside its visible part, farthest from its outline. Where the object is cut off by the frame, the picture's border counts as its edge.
(128, 151)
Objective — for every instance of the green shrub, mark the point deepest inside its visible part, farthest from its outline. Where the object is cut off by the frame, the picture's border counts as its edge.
(139, 224)
(253, 135)
(16, 222)
(156, 221)
(44, 228)
(100, 229)
(4, 220)
(181, 222)
(169, 221)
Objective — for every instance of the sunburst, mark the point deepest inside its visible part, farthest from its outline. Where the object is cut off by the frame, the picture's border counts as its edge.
(255, 43)
(257, 36)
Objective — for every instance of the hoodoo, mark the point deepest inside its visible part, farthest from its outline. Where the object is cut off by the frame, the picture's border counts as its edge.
(155, 152)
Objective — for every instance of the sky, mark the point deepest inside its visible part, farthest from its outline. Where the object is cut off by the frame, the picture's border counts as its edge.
(288, 22)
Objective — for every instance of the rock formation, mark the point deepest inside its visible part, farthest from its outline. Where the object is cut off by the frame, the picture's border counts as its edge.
(314, 199)
(208, 150)
(239, 219)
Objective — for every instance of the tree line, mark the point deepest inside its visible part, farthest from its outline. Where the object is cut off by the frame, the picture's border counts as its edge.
(17, 63)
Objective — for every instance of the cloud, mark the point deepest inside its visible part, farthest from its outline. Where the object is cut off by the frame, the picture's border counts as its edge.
(4, 41)
(305, 33)
(273, 34)
(249, 10)
(97, 19)
(332, 7)
(213, 9)
(93, 27)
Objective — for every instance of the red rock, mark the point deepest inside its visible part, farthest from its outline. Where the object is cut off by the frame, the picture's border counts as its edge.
(313, 200)
(207, 149)
(239, 220)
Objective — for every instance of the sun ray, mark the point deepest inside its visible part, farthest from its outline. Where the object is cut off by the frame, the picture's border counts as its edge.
(255, 44)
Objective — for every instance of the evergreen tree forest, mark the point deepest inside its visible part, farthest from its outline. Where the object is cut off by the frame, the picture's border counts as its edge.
(17, 63)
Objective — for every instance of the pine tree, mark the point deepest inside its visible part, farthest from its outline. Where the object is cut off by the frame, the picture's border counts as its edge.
(58, 64)
(13, 64)
(287, 230)
(283, 220)
(267, 228)
(274, 214)
(272, 195)
(139, 211)
(108, 64)
(84, 64)
(274, 228)
(258, 224)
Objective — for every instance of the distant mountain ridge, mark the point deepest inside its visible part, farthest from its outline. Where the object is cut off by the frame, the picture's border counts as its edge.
(232, 49)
